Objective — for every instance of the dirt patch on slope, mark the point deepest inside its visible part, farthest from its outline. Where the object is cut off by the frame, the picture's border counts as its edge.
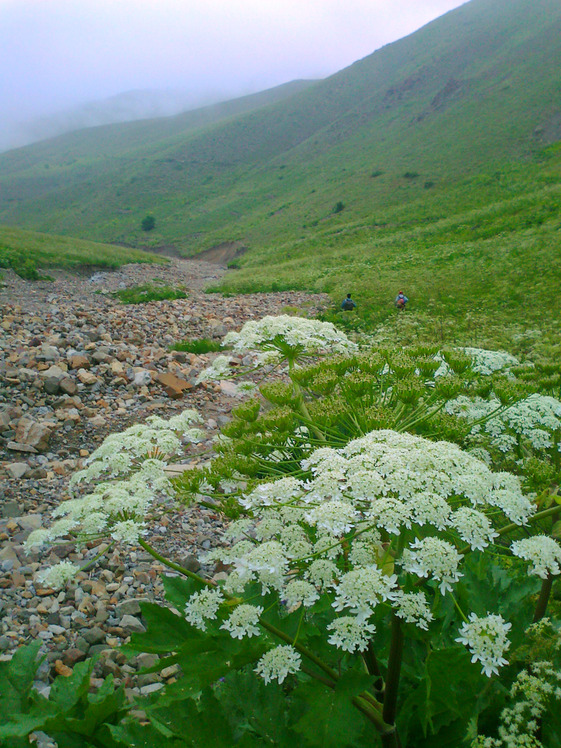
(222, 254)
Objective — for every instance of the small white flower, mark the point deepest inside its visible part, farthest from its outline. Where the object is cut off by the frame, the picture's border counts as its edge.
(36, 538)
(268, 561)
(56, 576)
(350, 634)
(220, 369)
(474, 527)
(322, 572)
(202, 605)
(390, 514)
(362, 589)
(486, 639)
(433, 557)
(335, 517)
(278, 663)
(299, 591)
(413, 608)
(543, 552)
(243, 621)
(127, 531)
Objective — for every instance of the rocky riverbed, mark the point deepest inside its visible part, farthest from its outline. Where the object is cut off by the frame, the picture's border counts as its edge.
(76, 365)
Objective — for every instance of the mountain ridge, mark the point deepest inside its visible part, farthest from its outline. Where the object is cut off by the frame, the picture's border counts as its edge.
(442, 105)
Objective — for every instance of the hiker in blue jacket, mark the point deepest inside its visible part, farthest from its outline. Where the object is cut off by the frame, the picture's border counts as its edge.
(348, 303)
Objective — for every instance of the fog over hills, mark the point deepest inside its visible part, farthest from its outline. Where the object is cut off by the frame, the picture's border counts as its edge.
(125, 107)
(411, 123)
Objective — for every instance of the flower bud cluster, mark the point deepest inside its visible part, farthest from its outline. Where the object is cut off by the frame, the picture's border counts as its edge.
(128, 472)
(535, 419)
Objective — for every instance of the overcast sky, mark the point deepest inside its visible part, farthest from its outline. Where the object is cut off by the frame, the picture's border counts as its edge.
(56, 54)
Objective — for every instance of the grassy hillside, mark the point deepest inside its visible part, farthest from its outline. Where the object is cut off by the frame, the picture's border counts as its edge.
(466, 274)
(413, 123)
(27, 252)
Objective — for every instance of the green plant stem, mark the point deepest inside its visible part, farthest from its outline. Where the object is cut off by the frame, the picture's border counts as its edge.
(371, 662)
(394, 671)
(99, 555)
(372, 715)
(543, 599)
(302, 405)
(171, 565)
(391, 739)
(317, 676)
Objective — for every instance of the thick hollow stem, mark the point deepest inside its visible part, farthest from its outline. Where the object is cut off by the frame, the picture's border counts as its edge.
(391, 740)
(373, 668)
(394, 671)
(302, 405)
(543, 599)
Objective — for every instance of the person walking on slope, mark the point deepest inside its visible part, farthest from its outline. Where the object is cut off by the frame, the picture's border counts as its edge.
(401, 300)
(348, 303)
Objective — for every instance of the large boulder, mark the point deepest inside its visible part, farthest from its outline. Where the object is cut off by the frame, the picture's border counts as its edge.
(33, 434)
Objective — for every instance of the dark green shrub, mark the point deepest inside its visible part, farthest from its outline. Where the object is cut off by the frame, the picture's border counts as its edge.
(25, 267)
(197, 346)
(338, 207)
(148, 223)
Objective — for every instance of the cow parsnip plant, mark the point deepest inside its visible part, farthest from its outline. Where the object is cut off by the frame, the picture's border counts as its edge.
(380, 581)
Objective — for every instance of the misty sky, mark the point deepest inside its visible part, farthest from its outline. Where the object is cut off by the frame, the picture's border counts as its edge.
(56, 54)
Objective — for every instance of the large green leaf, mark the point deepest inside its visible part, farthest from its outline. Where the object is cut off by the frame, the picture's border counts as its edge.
(67, 692)
(331, 720)
(144, 736)
(166, 631)
(444, 700)
(258, 709)
(16, 679)
(200, 723)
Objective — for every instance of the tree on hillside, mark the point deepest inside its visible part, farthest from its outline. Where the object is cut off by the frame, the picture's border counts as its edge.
(148, 223)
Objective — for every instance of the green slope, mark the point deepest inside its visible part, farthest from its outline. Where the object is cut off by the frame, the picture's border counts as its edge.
(475, 89)
(26, 251)
(433, 164)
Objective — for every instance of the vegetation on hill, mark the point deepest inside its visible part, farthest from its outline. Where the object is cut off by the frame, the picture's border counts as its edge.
(488, 266)
(27, 251)
(433, 165)
(416, 121)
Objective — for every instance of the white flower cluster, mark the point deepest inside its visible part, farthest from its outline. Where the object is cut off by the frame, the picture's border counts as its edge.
(488, 362)
(543, 552)
(278, 663)
(535, 419)
(58, 575)
(338, 532)
(116, 508)
(219, 369)
(486, 639)
(120, 452)
(311, 335)
(203, 605)
(484, 361)
(533, 692)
